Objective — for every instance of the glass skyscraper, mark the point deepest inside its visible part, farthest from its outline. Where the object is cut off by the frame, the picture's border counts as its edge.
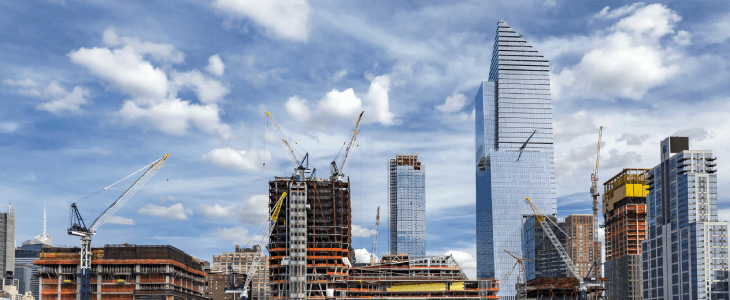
(685, 255)
(407, 189)
(514, 152)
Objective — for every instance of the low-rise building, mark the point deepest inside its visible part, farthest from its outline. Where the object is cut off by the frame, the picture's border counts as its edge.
(240, 260)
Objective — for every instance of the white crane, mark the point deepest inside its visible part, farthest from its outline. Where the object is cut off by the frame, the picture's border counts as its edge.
(300, 170)
(335, 173)
(595, 194)
(78, 227)
(582, 285)
(251, 272)
(374, 255)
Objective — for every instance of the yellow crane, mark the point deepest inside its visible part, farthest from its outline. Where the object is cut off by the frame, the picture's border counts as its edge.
(300, 169)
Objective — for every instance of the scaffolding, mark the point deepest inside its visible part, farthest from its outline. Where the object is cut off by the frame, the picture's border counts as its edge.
(560, 288)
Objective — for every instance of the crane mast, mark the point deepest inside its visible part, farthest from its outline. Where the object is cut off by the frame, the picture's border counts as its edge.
(595, 194)
(335, 173)
(374, 255)
(78, 226)
(300, 169)
(251, 272)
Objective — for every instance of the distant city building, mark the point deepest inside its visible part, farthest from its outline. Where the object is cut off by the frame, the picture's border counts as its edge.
(624, 212)
(545, 261)
(685, 255)
(514, 152)
(7, 243)
(25, 271)
(240, 261)
(580, 247)
(123, 272)
(407, 187)
(43, 238)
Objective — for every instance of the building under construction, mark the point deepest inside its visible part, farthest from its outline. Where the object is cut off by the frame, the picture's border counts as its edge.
(311, 255)
(565, 288)
(122, 272)
(624, 209)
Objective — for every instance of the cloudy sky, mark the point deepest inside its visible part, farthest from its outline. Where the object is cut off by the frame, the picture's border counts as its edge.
(92, 91)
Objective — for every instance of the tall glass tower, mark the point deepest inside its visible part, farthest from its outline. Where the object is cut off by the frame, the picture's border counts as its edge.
(514, 152)
(407, 189)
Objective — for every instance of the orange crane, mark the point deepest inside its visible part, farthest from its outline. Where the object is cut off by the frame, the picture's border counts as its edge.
(595, 194)
(520, 277)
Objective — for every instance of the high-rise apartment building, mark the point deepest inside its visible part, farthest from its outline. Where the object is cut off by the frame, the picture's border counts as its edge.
(241, 260)
(514, 152)
(407, 188)
(624, 212)
(685, 255)
(581, 247)
(7, 243)
(545, 262)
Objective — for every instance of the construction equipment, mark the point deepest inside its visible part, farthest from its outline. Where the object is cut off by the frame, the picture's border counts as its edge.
(335, 173)
(234, 286)
(300, 170)
(521, 292)
(582, 284)
(78, 227)
(595, 194)
(251, 272)
(374, 255)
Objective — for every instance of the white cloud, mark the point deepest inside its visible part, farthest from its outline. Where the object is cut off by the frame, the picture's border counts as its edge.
(694, 134)
(340, 104)
(628, 62)
(624, 160)
(297, 108)
(8, 127)
(217, 211)
(255, 210)
(215, 65)
(26, 83)
(683, 38)
(175, 212)
(359, 231)
(154, 100)
(465, 260)
(633, 139)
(61, 100)
(362, 256)
(120, 220)
(237, 160)
(287, 19)
(607, 13)
(238, 235)
(453, 103)
(575, 125)
(339, 75)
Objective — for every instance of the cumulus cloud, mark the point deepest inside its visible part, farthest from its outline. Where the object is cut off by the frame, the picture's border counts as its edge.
(573, 126)
(237, 160)
(694, 134)
(359, 231)
(286, 19)
(255, 210)
(127, 66)
(623, 160)
(216, 211)
(577, 158)
(465, 260)
(238, 235)
(61, 100)
(683, 38)
(174, 212)
(341, 105)
(215, 65)
(8, 127)
(633, 139)
(362, 255)
(629, 61)
(453, 103)
(120, 220)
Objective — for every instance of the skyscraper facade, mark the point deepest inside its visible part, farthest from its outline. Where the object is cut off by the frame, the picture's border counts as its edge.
(514, 152)
(7, 242)
(685, 255)
(545, 262)
(407, 190)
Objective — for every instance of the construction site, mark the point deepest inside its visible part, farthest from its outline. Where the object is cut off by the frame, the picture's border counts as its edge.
(122, 272)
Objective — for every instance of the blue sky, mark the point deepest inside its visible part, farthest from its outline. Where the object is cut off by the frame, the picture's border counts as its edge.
(92, 91)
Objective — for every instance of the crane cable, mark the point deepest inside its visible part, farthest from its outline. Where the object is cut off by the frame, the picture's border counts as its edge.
(113, 184)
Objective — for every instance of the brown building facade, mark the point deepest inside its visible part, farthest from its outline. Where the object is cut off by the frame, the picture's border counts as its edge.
(580, 246)
(240, 260)
(122, 272)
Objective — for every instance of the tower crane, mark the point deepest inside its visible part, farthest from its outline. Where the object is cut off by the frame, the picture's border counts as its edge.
(595, 194)
(374, 255)
(521, 276)
(251, 272)
(335, 173)
(582, 284)
(78, 227)
(300, 169)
